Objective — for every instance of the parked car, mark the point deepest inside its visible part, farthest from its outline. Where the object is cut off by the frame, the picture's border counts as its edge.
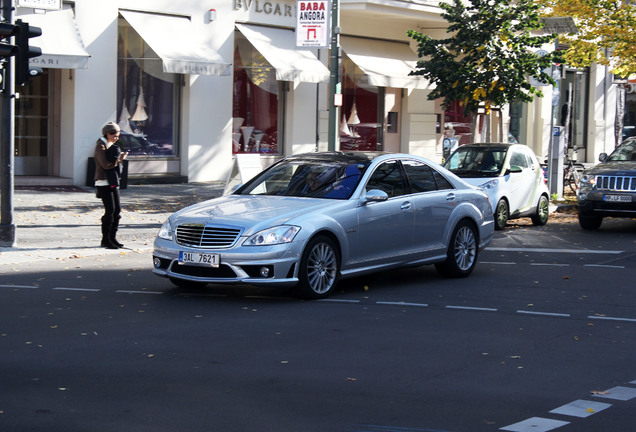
(511, 176)
(311, 219)
(609, 188)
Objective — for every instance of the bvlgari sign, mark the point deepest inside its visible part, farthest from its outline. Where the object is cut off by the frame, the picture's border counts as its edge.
(40, 4)
(312, 23)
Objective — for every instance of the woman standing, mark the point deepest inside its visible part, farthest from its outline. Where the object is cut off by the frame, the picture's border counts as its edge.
(108, 160)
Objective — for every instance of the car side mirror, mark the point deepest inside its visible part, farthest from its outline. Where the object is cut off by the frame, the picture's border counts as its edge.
(513, 169)
(375, 195)
(602, 157)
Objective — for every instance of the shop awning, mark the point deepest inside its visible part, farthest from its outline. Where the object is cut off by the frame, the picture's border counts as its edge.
(180, 44)
(60, 42)
(386, 63)
(278, 46)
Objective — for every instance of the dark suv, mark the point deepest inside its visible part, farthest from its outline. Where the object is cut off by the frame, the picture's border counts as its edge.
(609, 188)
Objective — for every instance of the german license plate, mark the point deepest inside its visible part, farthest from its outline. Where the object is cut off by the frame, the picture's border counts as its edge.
(617, 198)
(195, 258)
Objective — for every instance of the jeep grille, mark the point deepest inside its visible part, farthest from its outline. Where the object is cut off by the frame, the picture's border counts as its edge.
(616, 183)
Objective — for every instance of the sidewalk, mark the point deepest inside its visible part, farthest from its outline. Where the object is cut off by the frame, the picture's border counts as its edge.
(60, 222)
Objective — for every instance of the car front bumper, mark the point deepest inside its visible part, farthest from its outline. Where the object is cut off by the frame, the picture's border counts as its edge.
(252, 265)
(596, 203)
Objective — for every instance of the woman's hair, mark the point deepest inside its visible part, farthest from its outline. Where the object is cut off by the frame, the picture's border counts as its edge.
(110, 128)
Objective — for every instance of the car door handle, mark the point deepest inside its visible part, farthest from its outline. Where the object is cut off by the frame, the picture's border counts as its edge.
(406, 205)
(450, 197)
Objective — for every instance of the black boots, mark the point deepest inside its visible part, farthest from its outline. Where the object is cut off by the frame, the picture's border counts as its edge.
(109, 230)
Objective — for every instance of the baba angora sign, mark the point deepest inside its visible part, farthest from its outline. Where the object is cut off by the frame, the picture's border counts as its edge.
(312, 23)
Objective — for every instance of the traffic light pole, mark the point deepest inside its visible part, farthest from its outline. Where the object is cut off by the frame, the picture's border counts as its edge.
(7, 132)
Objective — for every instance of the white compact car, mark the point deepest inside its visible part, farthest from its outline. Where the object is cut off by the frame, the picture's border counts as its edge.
(511, 176)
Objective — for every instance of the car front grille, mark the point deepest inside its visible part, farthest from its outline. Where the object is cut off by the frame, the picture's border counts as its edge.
(205, 236)
(616, 183)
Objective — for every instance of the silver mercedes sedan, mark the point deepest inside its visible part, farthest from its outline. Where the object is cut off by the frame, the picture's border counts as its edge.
(311, 219)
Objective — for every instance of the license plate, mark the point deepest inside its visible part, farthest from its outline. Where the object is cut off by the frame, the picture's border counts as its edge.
(195, 258)
(617, 198)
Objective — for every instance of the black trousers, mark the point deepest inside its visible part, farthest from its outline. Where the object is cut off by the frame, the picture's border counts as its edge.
(112, 205)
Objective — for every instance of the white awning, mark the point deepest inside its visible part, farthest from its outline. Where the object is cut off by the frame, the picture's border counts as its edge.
(60, 42)
(180, 44)
(278, 46)
(386, 64)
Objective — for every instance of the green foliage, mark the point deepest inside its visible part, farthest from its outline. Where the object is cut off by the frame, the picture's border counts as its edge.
(488, 57)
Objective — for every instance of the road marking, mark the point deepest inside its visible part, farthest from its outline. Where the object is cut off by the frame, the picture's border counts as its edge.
(402, 304)
(543, 313)
(546, 250)
(535, 424)
(604, 266)
(139, 292)
(618, 393)
(472, 308)
(611, 318)
(581, 408)
(550, 264)
(338, 300)
(19, 286)
(77, 289)
(499, 263)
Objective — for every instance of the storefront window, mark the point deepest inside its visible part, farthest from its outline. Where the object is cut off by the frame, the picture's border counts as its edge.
(256, 101)
(457, 124)
(359, 125)
(147, 98)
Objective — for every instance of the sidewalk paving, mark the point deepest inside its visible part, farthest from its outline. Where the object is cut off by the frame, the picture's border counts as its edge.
(62, 222)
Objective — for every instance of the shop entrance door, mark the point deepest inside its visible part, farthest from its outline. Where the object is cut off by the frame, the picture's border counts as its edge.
(32, 127)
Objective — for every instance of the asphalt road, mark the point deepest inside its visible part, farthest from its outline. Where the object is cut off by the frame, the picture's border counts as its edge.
(546, 322)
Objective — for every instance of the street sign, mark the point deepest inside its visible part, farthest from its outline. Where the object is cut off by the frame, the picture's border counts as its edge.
(312, 23)
(40, 4)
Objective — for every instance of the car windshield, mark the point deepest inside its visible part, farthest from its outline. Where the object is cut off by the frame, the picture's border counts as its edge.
(477, 161)
(333, 179)
(624, 152)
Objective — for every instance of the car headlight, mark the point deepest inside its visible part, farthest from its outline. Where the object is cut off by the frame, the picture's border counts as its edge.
(588, 180)
(273, 236)
(489, 184)
(165, 232)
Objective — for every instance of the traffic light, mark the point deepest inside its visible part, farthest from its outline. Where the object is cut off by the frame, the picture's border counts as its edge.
(25, 52)
(6, 31)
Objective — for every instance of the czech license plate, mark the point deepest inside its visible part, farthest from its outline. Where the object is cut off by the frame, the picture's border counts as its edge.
(617, 198)
(195, 258)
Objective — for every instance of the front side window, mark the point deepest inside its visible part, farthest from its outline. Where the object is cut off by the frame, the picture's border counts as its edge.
(389, 179)
(147, 97)
(255, 101)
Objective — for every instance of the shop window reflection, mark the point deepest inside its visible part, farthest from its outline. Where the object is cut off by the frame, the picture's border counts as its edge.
(359, 123)
(146, 108)
(255, 101)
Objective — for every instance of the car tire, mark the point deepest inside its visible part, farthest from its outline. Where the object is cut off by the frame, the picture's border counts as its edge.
(543, 212)
(590, 222)
(319, 268)
(502, 213)
(182, 283)
(461, 256)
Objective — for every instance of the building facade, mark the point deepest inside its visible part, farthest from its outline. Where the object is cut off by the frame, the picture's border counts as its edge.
(195, 84)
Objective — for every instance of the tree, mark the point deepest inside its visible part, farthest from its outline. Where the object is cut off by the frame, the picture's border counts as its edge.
(606, 33)
(489, 56)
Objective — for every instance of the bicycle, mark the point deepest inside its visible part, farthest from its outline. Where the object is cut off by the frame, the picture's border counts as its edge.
(572, 172)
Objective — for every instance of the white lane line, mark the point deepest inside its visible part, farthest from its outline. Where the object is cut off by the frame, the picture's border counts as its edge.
(500, 263)
(581, 408)
(472, 308)
(338, 300)
(550, 264)
(401, 304)
(543, 313)
(19, 286)
(611, 318)
(604, 266)
(546, 250)
(138, 292)
(77, 289)
(619, 393)
(535, 424)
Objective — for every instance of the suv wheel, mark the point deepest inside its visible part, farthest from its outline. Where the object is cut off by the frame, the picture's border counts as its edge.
(590, 222)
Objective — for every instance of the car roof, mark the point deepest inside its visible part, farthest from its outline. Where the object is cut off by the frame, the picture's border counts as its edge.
(489, 145)
(347, 157)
